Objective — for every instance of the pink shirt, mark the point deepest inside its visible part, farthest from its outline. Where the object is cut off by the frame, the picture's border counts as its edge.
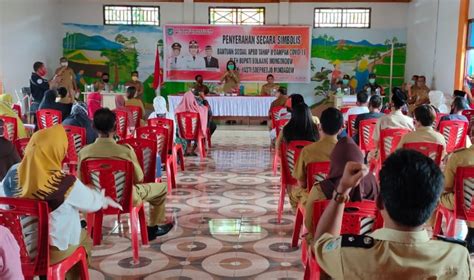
(10, 263)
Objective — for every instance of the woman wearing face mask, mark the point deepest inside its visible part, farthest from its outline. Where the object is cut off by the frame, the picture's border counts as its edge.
(134, 82)
(66, 77)
(231, 77)
(346, 88)
(372, 87)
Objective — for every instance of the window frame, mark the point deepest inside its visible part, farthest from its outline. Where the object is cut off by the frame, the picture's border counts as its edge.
(104, 6)
(343, 8)
(469, 24)
(235, 8)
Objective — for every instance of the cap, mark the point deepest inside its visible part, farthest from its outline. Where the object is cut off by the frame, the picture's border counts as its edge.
(193, 44)
(208, 48)
(176, 46)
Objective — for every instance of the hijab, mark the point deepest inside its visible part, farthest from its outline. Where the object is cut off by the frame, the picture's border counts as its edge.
(7, 99)
(347, 150)
(40, 175)
(94, 103)
(119, 101)
(160, 110)
(49, 102)
(79, 117)
(8, 154)
(6, 110)
(189, 104)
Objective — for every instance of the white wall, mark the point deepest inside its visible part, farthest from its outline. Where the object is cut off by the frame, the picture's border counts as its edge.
(432, 41)
(471, 10)
(29, 32)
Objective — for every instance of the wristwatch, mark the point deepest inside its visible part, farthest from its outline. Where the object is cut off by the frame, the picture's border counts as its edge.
(340, 197)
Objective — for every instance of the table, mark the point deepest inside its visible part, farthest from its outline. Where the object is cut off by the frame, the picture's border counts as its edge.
(108, 98)
(231, 106)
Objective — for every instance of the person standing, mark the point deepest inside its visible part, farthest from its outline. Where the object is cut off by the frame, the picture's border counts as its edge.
(135, 82)
(231, 77)
(270, 87)
(66, 77)
(211, 62)
(176, 60)
(38, 85)
(193, 61)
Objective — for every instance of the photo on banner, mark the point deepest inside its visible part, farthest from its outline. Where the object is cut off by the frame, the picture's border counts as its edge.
(283, 51)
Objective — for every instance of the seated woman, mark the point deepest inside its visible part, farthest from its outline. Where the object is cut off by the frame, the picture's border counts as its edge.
(160, 111)
(40, 176)
(94, 103)
(189, 104)
(133, 100)
(78, 117)
(49, 102)
(301, 125)
(6, 110)
(346, 150)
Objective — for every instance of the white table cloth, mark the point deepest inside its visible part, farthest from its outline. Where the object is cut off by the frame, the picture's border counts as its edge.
(231, 106)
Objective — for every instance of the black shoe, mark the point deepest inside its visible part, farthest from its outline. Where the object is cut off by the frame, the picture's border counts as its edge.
(155, 231)
(83, 224)
(470, 240)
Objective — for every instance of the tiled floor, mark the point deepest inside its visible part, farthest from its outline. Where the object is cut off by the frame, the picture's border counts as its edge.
(225, 213)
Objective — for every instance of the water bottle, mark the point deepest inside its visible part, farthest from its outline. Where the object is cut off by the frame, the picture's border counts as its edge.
(461, 229)
(158, 166)
(377, 91)
(242, 90)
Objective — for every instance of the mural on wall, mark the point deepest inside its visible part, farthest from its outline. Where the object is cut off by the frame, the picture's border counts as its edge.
(117, 50)
(355, 52)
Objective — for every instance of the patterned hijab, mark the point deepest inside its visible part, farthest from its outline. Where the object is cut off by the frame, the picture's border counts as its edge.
(40, 174)
(347, 150)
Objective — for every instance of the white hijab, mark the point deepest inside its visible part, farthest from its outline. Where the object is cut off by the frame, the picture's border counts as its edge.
(159, 105)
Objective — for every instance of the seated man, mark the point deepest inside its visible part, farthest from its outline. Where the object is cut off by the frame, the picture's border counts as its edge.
(106, 147)
(424, 132)
(361, 108)
(199, 86)
(320, 151)
(419, 94)
(460, 158)
(270, 88)
(409, 190)
(375, 103)
(458, 105)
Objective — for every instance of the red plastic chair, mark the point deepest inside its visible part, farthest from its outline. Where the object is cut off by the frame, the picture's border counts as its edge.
(389, 139)
(351, 125)
(20, 145)
(437, 120)
(121, 123)
(17, 109)
(78, 135)
(10, 128)
(470, 117)
(159, 135)
(189, 125)
(431, 150)
(455, 133)
(366, 135)
(276, 113)
(48, 117)
(344, 109)
(359, 218)
(137, 115)
(463, 202)
(28, 220)
(146, 154)
(116, 178)
(290, 153)
(315, 172)
(279, 124)
(174, 149)
(71, 159)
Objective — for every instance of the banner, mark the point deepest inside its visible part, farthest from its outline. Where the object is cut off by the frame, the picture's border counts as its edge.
(283, 51)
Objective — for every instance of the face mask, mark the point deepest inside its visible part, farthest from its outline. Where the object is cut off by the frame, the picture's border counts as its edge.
(42, 72)
(134, 78)
(64, 64)
(345, 82)
(372, 81)
(105, 80)
(231, 67)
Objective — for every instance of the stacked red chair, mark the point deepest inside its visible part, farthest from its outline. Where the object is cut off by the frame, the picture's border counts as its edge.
(146, 154)
(121, 123)
(290, 154)
(189, 125)
(351, 125)
(160, 136)
(366, 135)
(48, 117)
(10, 128)
(116, 178)
(455, 133)
(28, 221)
(315, 172)
(136, 115)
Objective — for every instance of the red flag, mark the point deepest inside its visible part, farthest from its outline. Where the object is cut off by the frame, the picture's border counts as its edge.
(158, 75)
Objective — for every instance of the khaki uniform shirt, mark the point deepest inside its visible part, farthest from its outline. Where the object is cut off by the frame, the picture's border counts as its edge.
(423, 134)
(108, 148)
(392, 254)
(138, 85)
(267, 89)
(317, 152)
(67, 79)
(394, 120)
(231, 80)
(420, 95)
(459, 158)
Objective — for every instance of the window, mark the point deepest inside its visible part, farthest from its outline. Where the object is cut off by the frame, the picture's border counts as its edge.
(246, 16)
(131, 15)
(342, 18)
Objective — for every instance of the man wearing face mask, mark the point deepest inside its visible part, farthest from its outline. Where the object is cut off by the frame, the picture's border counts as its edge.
(103, 84)
(134, 82)
(372, 87)
(38, 85)
(66, 77)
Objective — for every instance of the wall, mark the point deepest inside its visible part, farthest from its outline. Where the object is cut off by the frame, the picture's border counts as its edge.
(27, 35)
(432, 41)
